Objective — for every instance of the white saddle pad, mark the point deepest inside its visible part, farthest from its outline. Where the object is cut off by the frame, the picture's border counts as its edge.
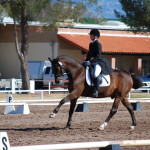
(105, 79)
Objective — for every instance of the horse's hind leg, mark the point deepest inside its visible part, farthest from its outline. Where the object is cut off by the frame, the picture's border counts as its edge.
(112, 112)
(127, 104)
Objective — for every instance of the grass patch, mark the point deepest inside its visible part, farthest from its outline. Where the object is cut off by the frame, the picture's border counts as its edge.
(140, 95)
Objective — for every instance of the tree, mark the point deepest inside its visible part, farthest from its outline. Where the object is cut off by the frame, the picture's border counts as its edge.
(1, 12)
(137, 14)
(51, 11)
(1, 8)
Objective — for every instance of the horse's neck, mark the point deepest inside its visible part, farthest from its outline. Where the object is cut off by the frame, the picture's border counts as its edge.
(72, 69)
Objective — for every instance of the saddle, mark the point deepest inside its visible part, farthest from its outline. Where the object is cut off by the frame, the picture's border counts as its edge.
(89, 77)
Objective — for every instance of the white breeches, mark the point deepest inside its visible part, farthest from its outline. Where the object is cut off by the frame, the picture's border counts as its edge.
(97, 70)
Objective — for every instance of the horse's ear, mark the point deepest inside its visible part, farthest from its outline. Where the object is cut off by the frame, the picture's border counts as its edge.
(49, 59)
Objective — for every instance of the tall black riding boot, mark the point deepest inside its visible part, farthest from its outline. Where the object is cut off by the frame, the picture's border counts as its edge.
(97, 81)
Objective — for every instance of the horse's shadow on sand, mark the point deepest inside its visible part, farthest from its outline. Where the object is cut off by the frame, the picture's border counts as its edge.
(35, 129)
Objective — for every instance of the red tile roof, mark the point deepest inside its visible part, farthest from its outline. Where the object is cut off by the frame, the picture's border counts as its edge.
(111, 44)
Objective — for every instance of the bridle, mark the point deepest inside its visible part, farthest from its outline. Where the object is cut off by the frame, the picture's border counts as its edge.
(59, 64)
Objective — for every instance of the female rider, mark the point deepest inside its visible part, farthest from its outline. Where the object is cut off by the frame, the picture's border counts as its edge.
(101, 65)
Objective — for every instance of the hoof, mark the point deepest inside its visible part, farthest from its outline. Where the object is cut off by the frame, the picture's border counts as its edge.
(132, 127)
(52, 115)
(102, 127)
(67, 128)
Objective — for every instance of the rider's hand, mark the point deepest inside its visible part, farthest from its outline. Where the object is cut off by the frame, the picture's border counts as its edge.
(85, 63)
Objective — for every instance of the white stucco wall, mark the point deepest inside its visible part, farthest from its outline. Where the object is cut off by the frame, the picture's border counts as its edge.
(10, 64)
(41, 51)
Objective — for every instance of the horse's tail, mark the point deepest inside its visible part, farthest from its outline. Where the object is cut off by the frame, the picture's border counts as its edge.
(137, 83)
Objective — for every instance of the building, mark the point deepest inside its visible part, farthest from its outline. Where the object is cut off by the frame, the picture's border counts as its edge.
(124, 50)
(42, 44)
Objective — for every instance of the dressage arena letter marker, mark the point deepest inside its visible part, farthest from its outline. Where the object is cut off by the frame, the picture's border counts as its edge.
(10, 99)
(111, 147)
(82, 107)
(23, 109)
(9, 109)
(4, 143)
(136, 106)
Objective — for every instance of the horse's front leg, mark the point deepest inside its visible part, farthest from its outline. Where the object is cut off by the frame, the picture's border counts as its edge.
(72, 107)
(72, 97)
(64, 100)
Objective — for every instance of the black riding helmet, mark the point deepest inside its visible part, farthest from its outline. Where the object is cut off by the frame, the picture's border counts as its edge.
(95, 32)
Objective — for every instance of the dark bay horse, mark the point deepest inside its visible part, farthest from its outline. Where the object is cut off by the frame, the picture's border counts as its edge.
(120, 86)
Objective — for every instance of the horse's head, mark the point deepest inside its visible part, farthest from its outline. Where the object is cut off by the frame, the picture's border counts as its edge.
(57, 70)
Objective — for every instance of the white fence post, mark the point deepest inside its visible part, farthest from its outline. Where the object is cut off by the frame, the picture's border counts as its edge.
(42, 95)
(13, 85)
(32, 86)
(129, 96)
(49, 86)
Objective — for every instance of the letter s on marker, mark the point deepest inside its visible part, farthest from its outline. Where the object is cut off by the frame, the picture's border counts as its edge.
(4, 140)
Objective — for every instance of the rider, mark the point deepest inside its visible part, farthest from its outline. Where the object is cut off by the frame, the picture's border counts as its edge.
(99, 63)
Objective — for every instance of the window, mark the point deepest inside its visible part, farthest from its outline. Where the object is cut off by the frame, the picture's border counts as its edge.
(146, 66)
(47, 71)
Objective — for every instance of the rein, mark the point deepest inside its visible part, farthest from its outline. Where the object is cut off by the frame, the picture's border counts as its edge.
(69, 71)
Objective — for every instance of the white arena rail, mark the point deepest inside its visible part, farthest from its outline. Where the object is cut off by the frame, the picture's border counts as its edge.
(100, 144)
(56, 101)
(5, 144)
(38, 103)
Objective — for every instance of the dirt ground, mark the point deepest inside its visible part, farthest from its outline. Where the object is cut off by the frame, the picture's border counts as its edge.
(37, 128)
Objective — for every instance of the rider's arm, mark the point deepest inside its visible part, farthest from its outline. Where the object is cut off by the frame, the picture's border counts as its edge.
(97, 49)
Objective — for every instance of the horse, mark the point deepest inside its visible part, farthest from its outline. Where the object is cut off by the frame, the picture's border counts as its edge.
(121, 83)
